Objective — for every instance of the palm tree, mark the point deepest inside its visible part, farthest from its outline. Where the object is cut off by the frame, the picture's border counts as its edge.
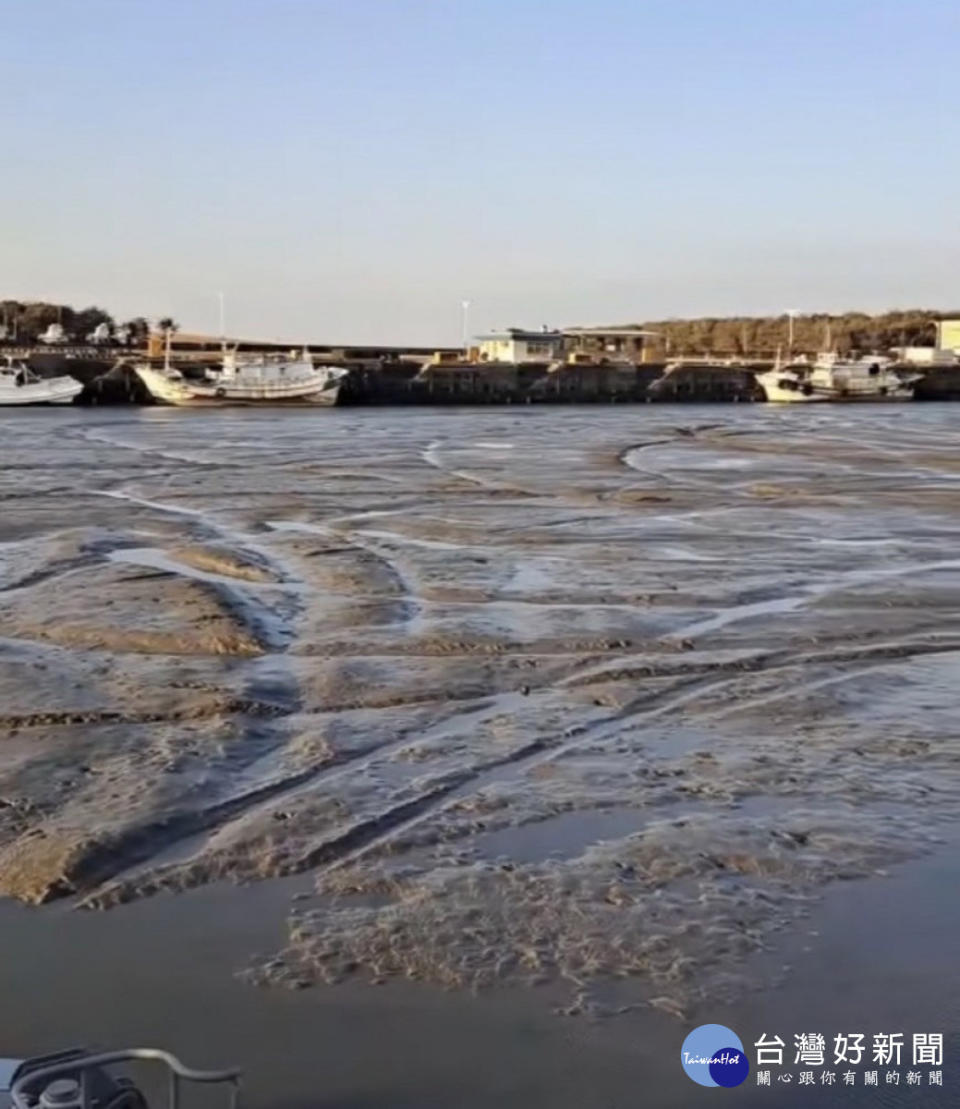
(165, 328)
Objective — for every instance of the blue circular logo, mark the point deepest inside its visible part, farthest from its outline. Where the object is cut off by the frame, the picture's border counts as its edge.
(712, 1055)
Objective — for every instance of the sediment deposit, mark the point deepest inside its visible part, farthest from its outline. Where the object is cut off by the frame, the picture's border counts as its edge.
(596, 697)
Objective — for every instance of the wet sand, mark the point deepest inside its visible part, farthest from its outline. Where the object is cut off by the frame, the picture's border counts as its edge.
(578, 712)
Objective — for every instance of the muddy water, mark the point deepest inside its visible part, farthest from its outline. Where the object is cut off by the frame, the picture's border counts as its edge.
(577, 711)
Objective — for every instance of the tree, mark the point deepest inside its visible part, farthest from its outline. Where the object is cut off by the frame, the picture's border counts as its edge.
(138, 329)
(37, 317)
(10, 317)
(167, 324)
(762, 335)
(88, 319)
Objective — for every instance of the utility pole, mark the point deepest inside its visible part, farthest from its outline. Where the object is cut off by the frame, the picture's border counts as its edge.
(792, 313)
(465, 309)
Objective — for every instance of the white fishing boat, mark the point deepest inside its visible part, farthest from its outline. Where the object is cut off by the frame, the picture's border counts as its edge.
(20, 385)
(831, 377)
(788, 384)
(869, 378)
(241, 380)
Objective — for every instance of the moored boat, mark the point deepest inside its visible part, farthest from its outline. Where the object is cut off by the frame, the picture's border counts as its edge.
(830, 377)
(20, 385)
(238, 380)
(789, 384)
(870, 378)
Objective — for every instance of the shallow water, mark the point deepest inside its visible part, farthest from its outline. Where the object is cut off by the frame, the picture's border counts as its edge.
(160, 972)
(564, 695)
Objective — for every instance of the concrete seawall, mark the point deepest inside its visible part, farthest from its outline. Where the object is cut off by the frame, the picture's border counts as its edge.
(403, 382)
(499, 384)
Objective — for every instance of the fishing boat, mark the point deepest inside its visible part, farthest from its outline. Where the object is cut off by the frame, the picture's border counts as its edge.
(869, 378)
(78, 1079)
(788, 384)
(257, 379)
(831, 377)
(20, 385)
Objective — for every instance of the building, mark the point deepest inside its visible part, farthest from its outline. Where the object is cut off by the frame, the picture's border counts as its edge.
(53, 334)
(585, 345)
(948, 335)
(517, 345)
(926, 356)
(607, 344)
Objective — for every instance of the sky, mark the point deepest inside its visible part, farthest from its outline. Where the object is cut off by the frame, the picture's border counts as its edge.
(354, 170)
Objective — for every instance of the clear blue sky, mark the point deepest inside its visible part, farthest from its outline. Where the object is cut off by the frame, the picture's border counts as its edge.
(352, 169)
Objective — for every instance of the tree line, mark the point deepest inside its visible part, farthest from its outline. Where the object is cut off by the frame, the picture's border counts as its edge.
(28, 320)
(760, 336)
(763, 335)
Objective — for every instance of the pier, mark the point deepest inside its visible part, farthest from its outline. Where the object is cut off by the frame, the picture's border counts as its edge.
(408, 381)
(398, 375)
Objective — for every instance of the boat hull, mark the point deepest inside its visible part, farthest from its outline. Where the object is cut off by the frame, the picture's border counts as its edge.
(47, 391)
(183, 393)
(783, 396)
(792, 388)
(791, 392)
(867, 398)
(858, 392)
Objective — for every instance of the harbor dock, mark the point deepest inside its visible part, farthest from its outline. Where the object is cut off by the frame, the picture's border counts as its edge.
(584, 365)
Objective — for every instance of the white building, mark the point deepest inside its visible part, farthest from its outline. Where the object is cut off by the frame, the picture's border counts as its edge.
(926, 356)
(53, 334)
(948, 334)
(518, 345)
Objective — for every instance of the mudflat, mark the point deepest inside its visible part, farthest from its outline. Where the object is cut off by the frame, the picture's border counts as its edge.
(596, 699)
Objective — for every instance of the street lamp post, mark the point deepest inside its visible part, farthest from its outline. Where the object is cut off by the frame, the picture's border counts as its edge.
(792, 314)
(465, 309)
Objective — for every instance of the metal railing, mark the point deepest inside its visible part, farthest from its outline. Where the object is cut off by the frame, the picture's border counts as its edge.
(85, 1064)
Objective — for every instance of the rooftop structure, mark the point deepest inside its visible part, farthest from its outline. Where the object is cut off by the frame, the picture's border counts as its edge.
(577, 344)
(613, 344)
(517, 345)
(195, 346)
